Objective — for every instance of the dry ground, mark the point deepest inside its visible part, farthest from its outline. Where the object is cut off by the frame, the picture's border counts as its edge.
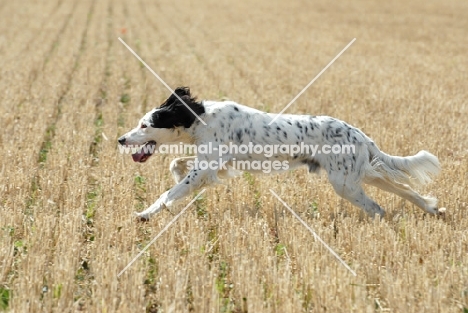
(69, 88)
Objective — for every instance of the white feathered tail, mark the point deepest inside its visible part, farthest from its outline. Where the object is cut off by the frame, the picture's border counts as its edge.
(411, 170)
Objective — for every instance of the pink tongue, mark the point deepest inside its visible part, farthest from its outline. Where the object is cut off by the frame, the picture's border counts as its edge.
(138, 156)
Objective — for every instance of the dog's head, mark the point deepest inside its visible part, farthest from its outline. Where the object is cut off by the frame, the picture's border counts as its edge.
(163, 125)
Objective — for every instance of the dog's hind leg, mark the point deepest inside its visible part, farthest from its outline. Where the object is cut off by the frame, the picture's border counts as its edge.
(428, 204)
(354, 193)
(179, 167)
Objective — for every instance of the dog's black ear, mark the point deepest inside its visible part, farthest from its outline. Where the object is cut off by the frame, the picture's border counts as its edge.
(179, 91)
(182, 91)
(175, 113)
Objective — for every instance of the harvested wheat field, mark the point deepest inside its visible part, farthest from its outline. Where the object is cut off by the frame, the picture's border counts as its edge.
(70, 88)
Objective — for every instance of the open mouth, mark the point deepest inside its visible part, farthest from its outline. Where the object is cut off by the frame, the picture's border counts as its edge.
(144, 152)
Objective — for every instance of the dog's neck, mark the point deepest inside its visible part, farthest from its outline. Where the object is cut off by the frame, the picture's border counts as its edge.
(184, 135)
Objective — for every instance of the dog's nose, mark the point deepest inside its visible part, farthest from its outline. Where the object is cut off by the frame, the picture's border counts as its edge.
(122, 140)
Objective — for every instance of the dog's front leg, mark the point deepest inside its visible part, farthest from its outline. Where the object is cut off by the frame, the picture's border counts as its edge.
(154, 208)
(194, 180)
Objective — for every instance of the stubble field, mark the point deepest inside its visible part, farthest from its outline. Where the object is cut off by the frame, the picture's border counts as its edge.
(69, 89)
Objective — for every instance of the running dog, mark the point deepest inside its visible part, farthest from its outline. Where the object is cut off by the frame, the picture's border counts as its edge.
(183, 119)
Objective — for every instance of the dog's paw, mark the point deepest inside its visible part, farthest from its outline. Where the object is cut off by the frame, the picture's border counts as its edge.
(141, 217)
(441, 212)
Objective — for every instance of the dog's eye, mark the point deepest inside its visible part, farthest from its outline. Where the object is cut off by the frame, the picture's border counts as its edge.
(143, 126)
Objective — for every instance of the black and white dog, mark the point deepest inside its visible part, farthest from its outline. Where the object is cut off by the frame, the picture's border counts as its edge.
(229, 123)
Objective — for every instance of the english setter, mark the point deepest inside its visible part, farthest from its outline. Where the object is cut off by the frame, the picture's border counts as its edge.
(232, 123)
